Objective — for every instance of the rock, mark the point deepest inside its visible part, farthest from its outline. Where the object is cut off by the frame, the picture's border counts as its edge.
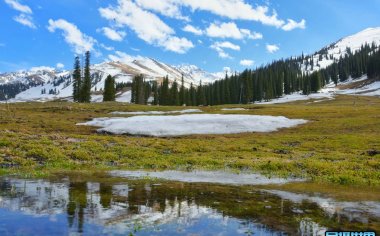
(281, 151)
(373, 152)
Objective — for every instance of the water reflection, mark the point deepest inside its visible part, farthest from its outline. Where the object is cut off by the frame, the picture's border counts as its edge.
(143, 207)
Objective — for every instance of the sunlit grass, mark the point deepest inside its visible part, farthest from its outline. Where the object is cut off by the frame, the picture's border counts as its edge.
(40, 138)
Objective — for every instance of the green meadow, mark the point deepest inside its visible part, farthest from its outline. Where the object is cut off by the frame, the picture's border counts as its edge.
(340, 144)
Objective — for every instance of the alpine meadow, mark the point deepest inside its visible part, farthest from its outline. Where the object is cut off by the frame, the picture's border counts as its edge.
(179, 117)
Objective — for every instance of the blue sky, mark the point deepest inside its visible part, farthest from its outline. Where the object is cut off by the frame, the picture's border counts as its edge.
(211, 34)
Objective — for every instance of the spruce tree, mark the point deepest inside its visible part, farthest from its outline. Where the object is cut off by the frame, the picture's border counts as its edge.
(174, 95)
(109, 92)
(86, 86)
(76, 80)
(182, 95)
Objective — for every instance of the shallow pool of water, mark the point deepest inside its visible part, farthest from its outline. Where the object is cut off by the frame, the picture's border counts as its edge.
(109, 205)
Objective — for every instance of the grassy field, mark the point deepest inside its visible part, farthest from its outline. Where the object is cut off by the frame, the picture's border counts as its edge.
(336, 146)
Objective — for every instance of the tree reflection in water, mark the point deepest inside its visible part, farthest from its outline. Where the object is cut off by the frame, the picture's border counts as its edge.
(145, 207)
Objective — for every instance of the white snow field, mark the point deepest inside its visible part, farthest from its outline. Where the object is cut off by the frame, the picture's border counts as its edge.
(155, 112)
(163, 126)
(298, 96)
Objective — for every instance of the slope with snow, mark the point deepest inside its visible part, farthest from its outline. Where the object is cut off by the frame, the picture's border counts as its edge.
(48, 79)
(45, 78)
(334, 51)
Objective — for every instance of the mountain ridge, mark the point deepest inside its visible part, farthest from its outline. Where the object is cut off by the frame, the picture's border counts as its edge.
(58, 84)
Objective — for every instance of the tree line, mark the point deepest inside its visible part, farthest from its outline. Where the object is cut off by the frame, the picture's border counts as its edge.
(279, 78)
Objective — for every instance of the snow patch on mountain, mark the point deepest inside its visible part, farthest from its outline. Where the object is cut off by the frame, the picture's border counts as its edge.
(334, 51)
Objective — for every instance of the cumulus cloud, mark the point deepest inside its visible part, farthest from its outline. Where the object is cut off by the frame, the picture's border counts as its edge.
(25, 20)
(164, 7)
(18, 6)
(291, 25)
(232, 9)
(79, 41)
(113, 34)
(25, 17)
(60, 66)
(122, 57)
(272, 48)
(148, 26)
(42, 68)
(192, 29)
(247, 62)
(230, 30)
(220, 46)
(108, 48)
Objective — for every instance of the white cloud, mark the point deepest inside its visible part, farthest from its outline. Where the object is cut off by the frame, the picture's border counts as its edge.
(113, 34)
(25, 17)
(73, 36)
(220, 46)
(60, 66)
(291, 25)
(192, 29)
(122, 57)
(25, 20)
(164, 7)
(146, 25)
(19, 7)
(227, 44)
(247, 62)
(230, 30)
(233, 9)
(179, 45)
(42, 68)
(272, 48)
(108, 48)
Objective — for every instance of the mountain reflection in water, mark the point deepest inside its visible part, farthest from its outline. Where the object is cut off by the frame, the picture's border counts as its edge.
(147, 207)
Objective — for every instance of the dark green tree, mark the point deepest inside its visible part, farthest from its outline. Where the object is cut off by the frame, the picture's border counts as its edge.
(86, 86)
(77, 77)
(109, 92)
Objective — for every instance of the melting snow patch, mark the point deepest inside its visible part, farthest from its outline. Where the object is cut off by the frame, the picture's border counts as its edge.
(156, 112)
(324, 94)
(162, 126)
(218, 177)
(234, 109)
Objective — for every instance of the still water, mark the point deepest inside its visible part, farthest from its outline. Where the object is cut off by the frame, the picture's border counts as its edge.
(114, 205)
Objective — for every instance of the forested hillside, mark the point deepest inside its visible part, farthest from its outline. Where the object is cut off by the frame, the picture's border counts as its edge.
(271, 81)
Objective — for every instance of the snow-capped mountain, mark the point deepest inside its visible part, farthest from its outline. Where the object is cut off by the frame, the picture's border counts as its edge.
(44, 83)
(329, 54)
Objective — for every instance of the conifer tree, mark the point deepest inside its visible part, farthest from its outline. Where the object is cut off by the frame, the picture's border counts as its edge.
(86, 86)
(109, 92)
(76, 80)
(174, 95)
(165, 93)
(182, 96)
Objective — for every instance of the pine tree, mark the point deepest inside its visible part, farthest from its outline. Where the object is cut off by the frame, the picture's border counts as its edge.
(76, 80)
(182, 96)
(165, 94)
(86, 86)
(109, 89)
(174, 95)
